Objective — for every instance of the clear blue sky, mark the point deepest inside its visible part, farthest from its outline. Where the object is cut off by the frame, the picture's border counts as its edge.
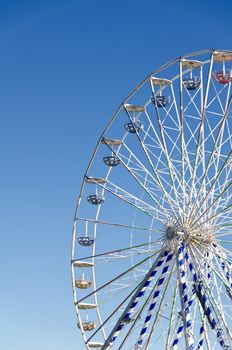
(64, 68)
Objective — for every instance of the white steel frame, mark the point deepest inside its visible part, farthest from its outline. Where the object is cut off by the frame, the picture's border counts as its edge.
(181, 164)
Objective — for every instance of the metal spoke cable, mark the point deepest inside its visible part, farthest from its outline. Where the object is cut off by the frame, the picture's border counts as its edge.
(213, 216)
(127, 197)
(213, 150)
(164, 146)
(117, 251)
(213, 183)
(145, 188)
(200, 133)
(143, 146)
(226, 269)
(157, 181)
(114, 224)
(213, 203)
(117, 277)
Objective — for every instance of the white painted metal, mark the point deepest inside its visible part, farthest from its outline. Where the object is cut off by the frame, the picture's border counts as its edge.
(175, 172)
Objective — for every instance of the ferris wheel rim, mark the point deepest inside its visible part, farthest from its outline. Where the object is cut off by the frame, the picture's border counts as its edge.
(122, 106)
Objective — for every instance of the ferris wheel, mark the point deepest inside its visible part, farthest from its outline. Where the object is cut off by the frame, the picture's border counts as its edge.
(151, 249)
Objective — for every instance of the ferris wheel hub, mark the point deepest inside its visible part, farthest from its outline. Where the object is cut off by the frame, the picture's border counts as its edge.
(174, 233)
(170, 232)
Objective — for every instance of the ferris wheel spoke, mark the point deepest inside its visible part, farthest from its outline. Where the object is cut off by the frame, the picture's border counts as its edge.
(217, 114)
(154, 180)
(116, 224)
(189, 185)
(222, 253)
(218, 174)
(213, 216)
(191, 140)
(212, 204)
(155, 170)
(222, 143)
(218, 274)
(228, 128)
(153, 140)
(224, 228)
(226, 270)
(192, 101)
(225, 255)
(200, 134)
(224, 241)
(142, 182)
(193, 133)
(217, 96)
(184, 153)
(223, 201)
(222, 236)
(164, 172)
(130, 199)
(224, 219)
(150, 135)
(177, 173)
(118, 277)
(158, 142)
(212, 151)
(120, 253)
(212, 132)
(171, 170)
(215, 163)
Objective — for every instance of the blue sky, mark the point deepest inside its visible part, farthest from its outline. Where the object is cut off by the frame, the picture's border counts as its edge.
(64, 68)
